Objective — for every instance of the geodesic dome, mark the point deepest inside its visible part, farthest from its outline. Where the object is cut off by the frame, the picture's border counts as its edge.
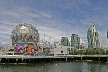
(25, 33)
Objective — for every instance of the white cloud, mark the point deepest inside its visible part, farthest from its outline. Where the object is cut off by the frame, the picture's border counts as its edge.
(45, 15)
(9, 19)
(52, 33)
(51, 22)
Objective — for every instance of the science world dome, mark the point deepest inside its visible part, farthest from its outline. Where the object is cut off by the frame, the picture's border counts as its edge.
(25, 33)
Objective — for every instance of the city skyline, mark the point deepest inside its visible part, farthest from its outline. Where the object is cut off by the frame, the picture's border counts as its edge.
(54, 18)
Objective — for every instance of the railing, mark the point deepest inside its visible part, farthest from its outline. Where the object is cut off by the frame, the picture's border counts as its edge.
(67, 56)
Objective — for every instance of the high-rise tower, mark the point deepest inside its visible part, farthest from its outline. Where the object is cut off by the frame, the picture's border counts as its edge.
(65, 41)
(93, 37)
(75, 41)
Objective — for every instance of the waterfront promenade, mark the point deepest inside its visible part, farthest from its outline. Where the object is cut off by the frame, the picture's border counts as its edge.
(64, 56)
(37, 59)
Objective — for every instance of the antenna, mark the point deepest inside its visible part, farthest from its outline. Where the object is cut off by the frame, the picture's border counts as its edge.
(44, 37)
(107, 34)
(107, 38)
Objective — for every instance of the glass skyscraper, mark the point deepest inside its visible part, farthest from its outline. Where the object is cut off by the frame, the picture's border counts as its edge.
(75, 41)
(65, 41)
(93, 38)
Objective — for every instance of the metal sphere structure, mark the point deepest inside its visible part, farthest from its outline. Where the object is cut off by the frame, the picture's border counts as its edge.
(25, 33)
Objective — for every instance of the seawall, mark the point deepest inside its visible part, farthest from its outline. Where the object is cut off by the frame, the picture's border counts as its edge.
(37, 59)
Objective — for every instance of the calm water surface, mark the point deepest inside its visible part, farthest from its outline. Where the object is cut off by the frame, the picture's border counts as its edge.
(56, 67)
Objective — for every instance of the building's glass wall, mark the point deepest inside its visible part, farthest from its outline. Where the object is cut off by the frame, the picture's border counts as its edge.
(75, 41)
(93, 37)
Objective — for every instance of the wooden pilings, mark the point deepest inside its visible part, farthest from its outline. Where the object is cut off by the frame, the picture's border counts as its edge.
(51, 59)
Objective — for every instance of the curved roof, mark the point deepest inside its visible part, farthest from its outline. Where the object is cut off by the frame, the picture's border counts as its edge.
(31, 35)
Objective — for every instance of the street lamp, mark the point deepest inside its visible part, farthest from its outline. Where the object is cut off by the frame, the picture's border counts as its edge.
(25, 43)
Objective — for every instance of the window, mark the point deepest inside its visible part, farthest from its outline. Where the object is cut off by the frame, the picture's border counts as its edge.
(61, 51)
(95, 33)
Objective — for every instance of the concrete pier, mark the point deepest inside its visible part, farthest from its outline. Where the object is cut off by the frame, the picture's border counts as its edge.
(37, 59)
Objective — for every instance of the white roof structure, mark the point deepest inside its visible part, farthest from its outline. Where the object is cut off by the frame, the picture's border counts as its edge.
(23, 27)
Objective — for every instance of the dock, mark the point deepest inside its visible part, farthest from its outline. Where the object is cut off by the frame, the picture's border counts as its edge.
(38, 59)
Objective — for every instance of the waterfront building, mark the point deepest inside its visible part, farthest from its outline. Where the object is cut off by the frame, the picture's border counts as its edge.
(61, 50)
(65, 41)
(24, 33)
(51, 53)
(44, 47)
(93, 38)
(8, 51)
(75, 41)
(56, 43)
(25, 38)
(85, 45)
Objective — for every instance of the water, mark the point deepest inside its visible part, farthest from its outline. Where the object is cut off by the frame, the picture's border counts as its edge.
(56, 67)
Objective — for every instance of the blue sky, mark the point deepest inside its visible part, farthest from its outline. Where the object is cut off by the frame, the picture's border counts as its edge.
(54, 18)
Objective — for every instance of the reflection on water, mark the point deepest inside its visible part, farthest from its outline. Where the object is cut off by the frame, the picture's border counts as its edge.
(56, 67)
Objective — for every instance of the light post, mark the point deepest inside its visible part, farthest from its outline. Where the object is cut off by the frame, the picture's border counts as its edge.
(49, 43)
(70, 47)
(25, 43)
